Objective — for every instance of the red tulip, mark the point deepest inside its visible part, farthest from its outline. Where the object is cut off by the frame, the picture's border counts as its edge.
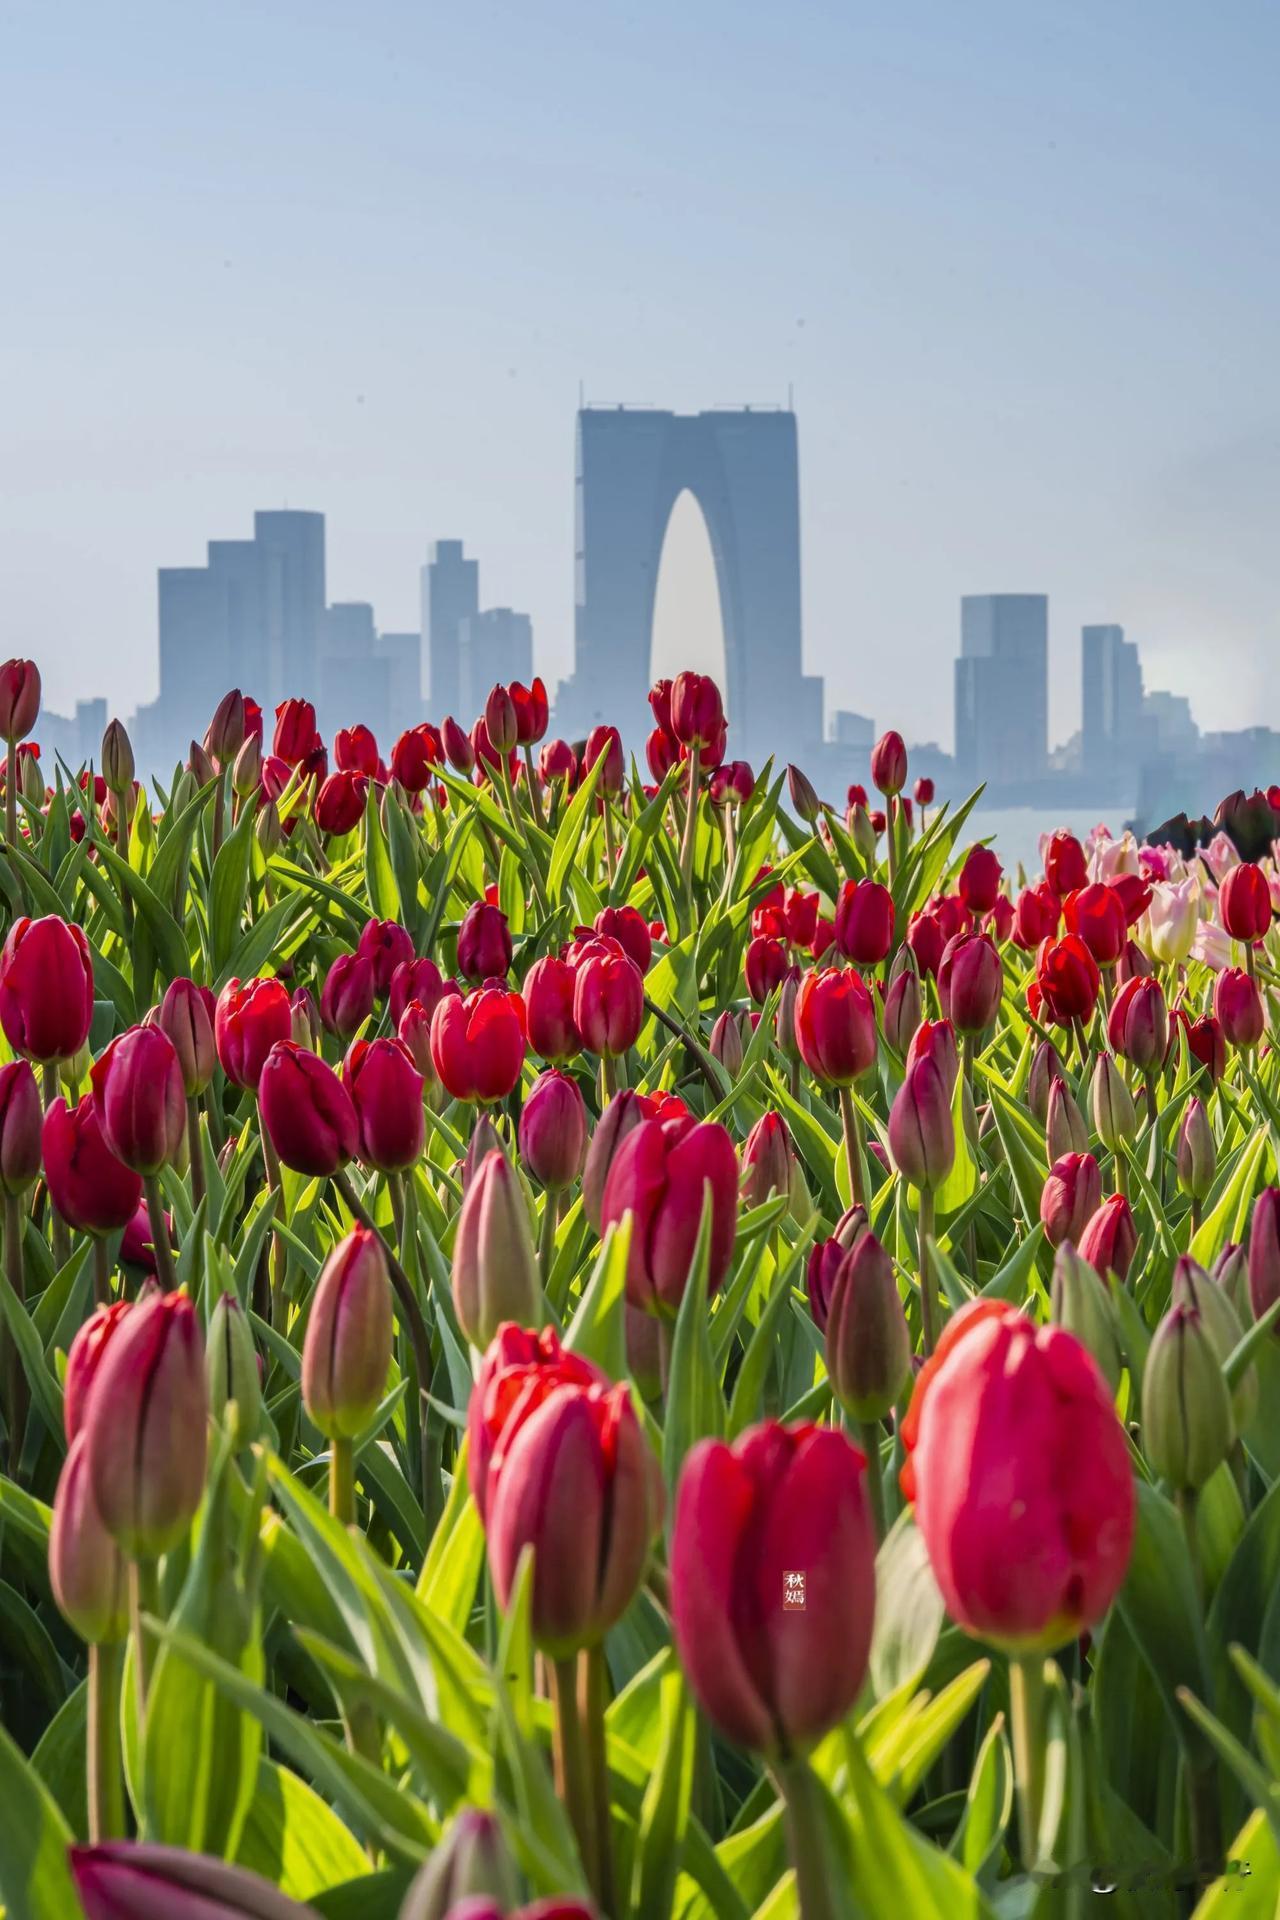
(835, 1026)
(868, 1346)
(902, 1010)
(608, 999)
(1138, 1024)
(495, 1272)
(19, 698)
(346, 998)
(548, 996)
(92, 1190)
(1237, 1007)
(970, 982)
(128, 1880)
(864, 922)
(519, 1372)
(1264, 1252)
(1036, 915)
(145, 1426)
(825, 1259)
(773, 1583)
(622, 1115)
(484, 943)
(87, 1572)
(557, 761)
(306, 1111)
(346, 1354)
(187, 1014)
(576, 1480)
(924, 792)
(413, 757)
(355, 750)
(84, 1357)
(1065, 868)
(295, 735)
(979, 882)
(1068, 979)
(927, 939)
(1208, 1045)
(341, 801)
(419, 980)
(697, 712)
(1071, 1196)
(628, 927)
(500, 720)
(386, 1091)
(477, 1044)
(889, 764)
(766, 967)
(20, 1123)
(1046, 1070)
(1095, 914)
(140, 1099)
(922, 1136)
(768, 1160)
(553, 1130)
(1005, 1405)
(659, 1176)
(530, 704)
(459, 750)
(249, 1018)
(46, 989)
(732, 784)
(606, 742)
(1110, 1239)
(388, 946)
(935, 1040)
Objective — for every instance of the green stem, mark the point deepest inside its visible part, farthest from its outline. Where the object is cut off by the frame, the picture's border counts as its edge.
(869, 1434)
(547, 1236)
(101, 1272)
(608, 1078)
(595, 1698)
(11, 793)
(166, 1272)
(103, 1760)
(690, 827)
(122, 848)
(144, 1598)
(219, 809)
(19, 1396)
(535, 803)
(610, 851)
(851, 1122)
(928, 1304)
(279, 1267)
(1026, 1724)
(1187, 1501)
(572, 1766)
(342, 1480)
(195, 1150)
(806, 1838)
(891, 838)
(61, 1238)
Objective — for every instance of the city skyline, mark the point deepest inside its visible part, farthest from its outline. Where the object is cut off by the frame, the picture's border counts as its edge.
(1026, 316)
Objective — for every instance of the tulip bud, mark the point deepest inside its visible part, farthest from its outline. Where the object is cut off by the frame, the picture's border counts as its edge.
(1231, 1273)
(1264, 1251)
(19, 698)
(470, 1862)
(140, 1099)
(1237, 1006)
(117, 759)
(495, 1272)
(31, 780)
(304, 1019)
(246, 768)
(187, 1014)
(1081, 1302)
(1187, 1428)
(725, 1044)
(889, 764)
(307, 1112)
(1197, 1151)
(231, 1363)
(1193, 1287)
(1072, 1195)
(864, 833)
(20, 1124)
(1114, 1118)
(128, 1880)
(145, 1426)
(1138, 1024)
(1110, 1239)
(767, 1160)
(623, 1113)
(922, 1137)
(553, 1130)
(804, 800)
(1065, 1130)
(226, 733)
(346, 1352)
(346, 998)
(485, 1139)
(868, 1344)
(200, 765)
(267, 830)
(903, 1010)
(87, 1571)
(1046, 1068)
(784, 1025)
(970, 982)
(644, 1351)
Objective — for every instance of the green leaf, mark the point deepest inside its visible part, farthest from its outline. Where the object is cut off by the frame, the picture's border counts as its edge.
(379, 876)
(1160, 1605)
(1230, 1216)
(227, 890)
(695, 1404)
(910, 1610)
(598, 1330)
(664, 1815)
(569, 833)
(294, 1839)
(35, 1878)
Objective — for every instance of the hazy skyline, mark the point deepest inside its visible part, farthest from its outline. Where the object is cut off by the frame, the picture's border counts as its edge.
(1021, 270)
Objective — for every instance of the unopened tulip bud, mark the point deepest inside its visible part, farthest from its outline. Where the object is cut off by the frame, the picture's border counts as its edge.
(1046, 1068)
(725, 1044)
(200, 765)
(804, 800)
(346, 1353)
(232, 1368)
(1114, 1118)
(21, 1119)
(117, 759)
(970, 982)
(865, 837)
(903, 1010)
(622, 1115)
(485, 1139)
(1264, 1251)
(267, 830)
(553, 1130)
(246, 770)
(470, 1862)
(87, 1571)
(868, 1344)
(187, 1014)
(1081, 1302)
(1187, 1428)
(31, 780)
(922, 1137)
(1072, 1195)
(1064, 1128)
(644, 1351)
(1231, 1273)
(767, 1160)
(500, 720)
(19, 698)
(784, 1025)
(1110, 1239)
(1237, 1005)
(1138, 1024)
(304, 1019)
(1193, 1287)
(225, 733)
(889, 764)
(145, 1426)
(495, 1271)
(130, 1880)
(1197, 1151)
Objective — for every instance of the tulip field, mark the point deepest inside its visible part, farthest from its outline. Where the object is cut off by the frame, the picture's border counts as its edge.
(605, 1338)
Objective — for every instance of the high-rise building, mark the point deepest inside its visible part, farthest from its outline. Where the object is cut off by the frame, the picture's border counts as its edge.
(857, 731)
(1112, 723)
(1002, 688)
(495, 647)
(353, 684)
(292, 548)
(403, 655)
(450, 595)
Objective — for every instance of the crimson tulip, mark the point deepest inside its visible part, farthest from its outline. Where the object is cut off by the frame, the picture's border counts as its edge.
(1237, 1007)
(477, 1044)
(458, 748)
(1208, 1046)
(1244, 903)
(659, 1175)
(608, 998)
(548, 995)
(130, 1880)
(553, 1130)
(249, 1018)
(519, 1372)
(1264, 1251)
(864, 922)
(979, 882)
(1110, 1239)
(1071, 1195)
(414, 755)
(835, 1026)
(773, 1582)
(868, 1346)
(388, 946)
(1096, 915)
(1138, 1024)
(92, 1189)
(628, 927)
(355, 750)
(346, 998)
(500, 719)
(889, 764)
(46, 989)
(87, 1572)
(922, 1138)
(84, 1357)
(495, 1273)
(605, 743)
(531, 710)
(341, 802)
(484, 943)
(386, 1091)
(1068, 979)
(140, 1099)
(1065, 868)
(295, 736)
(1046, 1071)
(766, 966)
(768, 1160)
(145, 1426)
(346, 1352)
(557, 761)
(926, 939)
(19, 699)
(903, 1006)
(21, 1119)
(621, 1116)
(970, 982)
(187, 1015)
(419, 980)
(1036, 914)
(697, 711)
(307, 1112)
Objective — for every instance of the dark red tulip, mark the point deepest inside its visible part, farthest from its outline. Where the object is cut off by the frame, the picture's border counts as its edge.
(92, 1190)
(970, 982)
(768, 1160)
(553, 1130)
(922, 1138)
(766, 966)
(477, 1044)
(46, 989)
(532, 713)
(19, 698)
(459, 750)
(660, 706)
(145, 1426)
(520, 1371)
(355, 750)
(1065, 868)
(1068, 979)
(548, 996)
(1036, 915)
(1138, 1024)
(1237, 1007)
(864, 922)
(608, 998)
(340, 803)
(903, 1005)
(622, 1116)
(187, 1015)
(979, 882)
(130, 1880)
(140, 1099)
(500, 720)
(414, 756)
(296, 737)
(1110, 1239)
(1244, 903)
(889, 764)
(773, 1583)
(629, 928)
(306, 1111)
(1208, 1045)
(1264, 1252)
(927, 939)
(658, 1175)
(419, 980)
(1071, 1196)
(697, 711)
(606, 742)
(87, 1572)
(387, 946)
(732, 784)
(924, 792)
(249, 1018)
(868, 1346)
(835, 1026)
(484, 943)
(346, 1354)
(386, 1090)
(347, 996)
(84, 1357)
(1095, 914)
(935, 1040)
(21, 1119)
(557, 761)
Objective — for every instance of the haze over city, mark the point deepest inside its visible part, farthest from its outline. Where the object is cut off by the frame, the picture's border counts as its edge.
(279, 260)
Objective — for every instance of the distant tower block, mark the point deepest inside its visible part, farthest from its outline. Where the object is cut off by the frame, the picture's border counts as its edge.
(741, 466)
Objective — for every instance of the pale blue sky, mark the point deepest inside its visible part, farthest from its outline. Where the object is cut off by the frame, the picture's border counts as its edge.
(1020, 261)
